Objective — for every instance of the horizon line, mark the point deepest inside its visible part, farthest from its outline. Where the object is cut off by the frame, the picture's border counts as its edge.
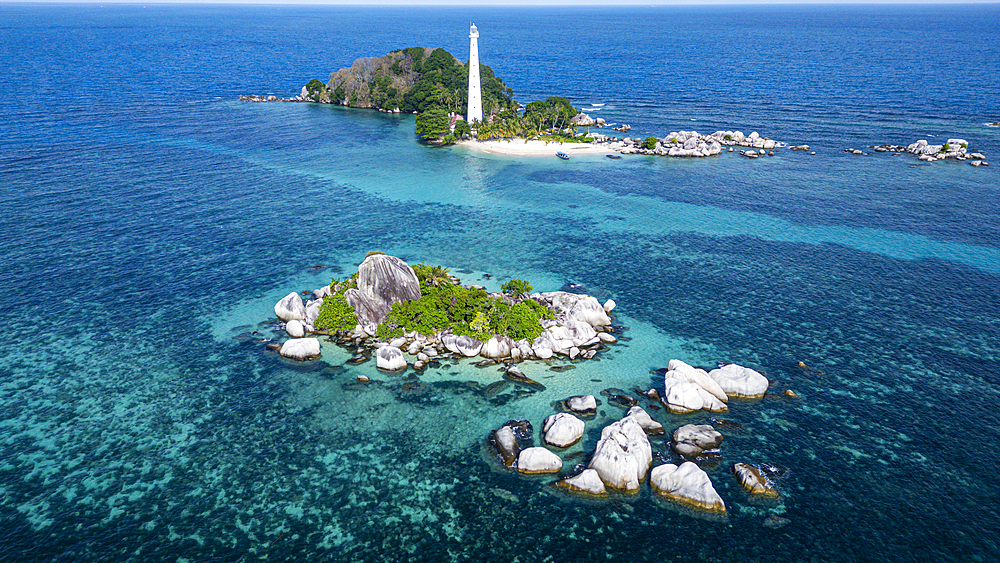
(513, 3)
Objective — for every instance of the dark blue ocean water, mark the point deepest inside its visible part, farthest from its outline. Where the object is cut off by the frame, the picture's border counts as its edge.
(150, 220)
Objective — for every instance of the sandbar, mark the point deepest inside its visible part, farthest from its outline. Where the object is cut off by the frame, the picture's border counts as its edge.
(521, 147)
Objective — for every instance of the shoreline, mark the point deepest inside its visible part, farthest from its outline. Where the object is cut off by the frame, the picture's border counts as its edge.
(521, 147)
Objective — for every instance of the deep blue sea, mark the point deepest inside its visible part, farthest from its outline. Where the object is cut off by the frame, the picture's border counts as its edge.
(149, 221)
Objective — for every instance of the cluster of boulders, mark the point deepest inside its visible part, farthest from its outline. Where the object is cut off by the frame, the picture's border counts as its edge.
(694, 144)
(689, 389)
(583, 120)
(581, 325)
(623, 456)
(265, 98)
(953, 149)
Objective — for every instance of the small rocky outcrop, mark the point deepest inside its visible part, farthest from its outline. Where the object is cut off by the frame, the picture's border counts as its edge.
(301, 349)
(538, 460)
(563, 430)
(588, 482)
(692, 440)
(688, 389)
(953, 149)
(290, 308)
(583, 404)
(739, 381)
(508, 439)
(390, 358)
(680, 370)
(648, 425)
(688, 485)
(753, 481)
(623, 455)
(687, 144)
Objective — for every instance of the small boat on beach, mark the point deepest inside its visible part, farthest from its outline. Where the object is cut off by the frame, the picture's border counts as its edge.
(614, 156)
(562, 155)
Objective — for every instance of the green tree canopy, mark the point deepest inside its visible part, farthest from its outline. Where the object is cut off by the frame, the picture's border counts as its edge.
(433, 124)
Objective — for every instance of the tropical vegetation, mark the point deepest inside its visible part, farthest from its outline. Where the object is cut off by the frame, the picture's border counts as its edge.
(435, 85)
(444, 305)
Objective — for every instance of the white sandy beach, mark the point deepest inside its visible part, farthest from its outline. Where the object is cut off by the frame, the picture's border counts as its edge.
(521, 147)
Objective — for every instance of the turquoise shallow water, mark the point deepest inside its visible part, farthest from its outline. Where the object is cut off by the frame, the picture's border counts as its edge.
(151, 221)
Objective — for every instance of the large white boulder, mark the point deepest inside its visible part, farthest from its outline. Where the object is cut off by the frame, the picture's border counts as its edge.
(694, 439)
(623, 455)
(686, 484)
(464, 345)
(684, 396)
(382, 281)
(295, 328)
(586, 482)
(390, 358)
(677, 369)
(312, 310)
(290, 308)
(583, 308)
(538, 460)
(496, 347)
(542, 350)
(739, 381)
(563, 429)
(649, 426)
(300, 348)
(609, 305)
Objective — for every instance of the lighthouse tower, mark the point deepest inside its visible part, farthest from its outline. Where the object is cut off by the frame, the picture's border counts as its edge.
(475, 91)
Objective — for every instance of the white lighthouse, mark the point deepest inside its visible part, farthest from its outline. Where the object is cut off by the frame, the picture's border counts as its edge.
(475, 91)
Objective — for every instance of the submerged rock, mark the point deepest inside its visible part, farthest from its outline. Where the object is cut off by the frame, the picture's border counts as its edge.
(688, 485)
(563, 429)
(515, 375)
(739, 381)
(623, 455)
(586, 482)
(538, 460)
(301, 348)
